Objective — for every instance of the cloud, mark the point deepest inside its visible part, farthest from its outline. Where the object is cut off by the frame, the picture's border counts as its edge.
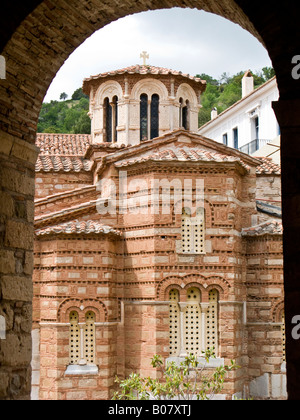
(188, 40)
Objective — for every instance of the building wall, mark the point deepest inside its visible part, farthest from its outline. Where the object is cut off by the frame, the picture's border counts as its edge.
(241, 116)
(265, 306)
(55, 183)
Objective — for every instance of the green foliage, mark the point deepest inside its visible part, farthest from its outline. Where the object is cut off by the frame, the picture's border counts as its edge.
(63, 96)
(78, 94)
(69, 116)
(226, 91)
(189, 380)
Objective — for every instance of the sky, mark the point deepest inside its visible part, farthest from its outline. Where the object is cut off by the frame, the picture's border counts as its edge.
(187, 40)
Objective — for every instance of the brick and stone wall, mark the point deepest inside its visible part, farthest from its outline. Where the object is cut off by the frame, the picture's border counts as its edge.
(29, 46)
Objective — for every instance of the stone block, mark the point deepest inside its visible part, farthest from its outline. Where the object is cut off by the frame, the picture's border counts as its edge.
(19, 235)
(16, 288)
(7, 262)
(6, 204)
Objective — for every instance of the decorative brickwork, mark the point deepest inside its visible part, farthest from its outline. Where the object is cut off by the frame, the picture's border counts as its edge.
(36, 38)
(141, 277)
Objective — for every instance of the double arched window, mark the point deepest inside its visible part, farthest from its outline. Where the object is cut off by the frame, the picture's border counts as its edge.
(149, 117)
(193, 324)
(110, 119)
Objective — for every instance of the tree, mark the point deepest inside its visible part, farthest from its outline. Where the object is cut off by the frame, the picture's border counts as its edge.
(186, 381)
(63, 96)
(226, 91)
(78, 94)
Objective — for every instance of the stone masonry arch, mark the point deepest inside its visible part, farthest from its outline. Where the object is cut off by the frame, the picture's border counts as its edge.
(36, 37)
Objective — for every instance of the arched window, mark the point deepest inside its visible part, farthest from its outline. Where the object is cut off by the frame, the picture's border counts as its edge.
(107, 120)
(174, 317)
(184, 113)
(192, 322)
(144, 117)
(193, 232)
(110, 118)
(82, 343)
(212, 321)
(114, 119)
(89, 337)
(149, 117)
(154, 116)
(74, 341)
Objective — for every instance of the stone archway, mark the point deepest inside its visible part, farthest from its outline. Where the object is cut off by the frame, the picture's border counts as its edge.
(36, 38)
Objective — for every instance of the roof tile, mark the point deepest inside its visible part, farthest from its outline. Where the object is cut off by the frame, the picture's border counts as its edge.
(78, 227)
(47, 163)
(270, 227)
(63, 144)
(268, 167)
(145, 69)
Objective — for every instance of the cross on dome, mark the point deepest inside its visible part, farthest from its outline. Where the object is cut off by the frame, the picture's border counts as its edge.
(144, 56)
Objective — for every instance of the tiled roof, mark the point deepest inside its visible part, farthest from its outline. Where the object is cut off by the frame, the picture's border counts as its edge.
(63, 144)
(271, 209)
(181, 154)
(78, 227)
(145, 69)
(270, 227)
(268, 167)
(48, 163)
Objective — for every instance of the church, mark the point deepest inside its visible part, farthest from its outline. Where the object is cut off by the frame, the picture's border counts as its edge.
(153, 239)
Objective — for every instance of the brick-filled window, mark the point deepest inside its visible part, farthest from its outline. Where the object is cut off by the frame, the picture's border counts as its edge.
(74, 345)
(89, 337)
(212, 321)
(193, 323)
(82, 344)
(174, 316)
(193, 232)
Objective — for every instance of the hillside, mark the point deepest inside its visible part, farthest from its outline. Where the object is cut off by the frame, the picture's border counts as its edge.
(70, 116)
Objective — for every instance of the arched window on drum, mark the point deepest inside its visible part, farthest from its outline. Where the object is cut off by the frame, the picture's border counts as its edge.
(149, 117)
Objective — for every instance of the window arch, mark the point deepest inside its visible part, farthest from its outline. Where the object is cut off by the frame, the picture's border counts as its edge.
(82, 342)
(89, 337)
(110, 118)
(154, 116)
(174, 326)
(144, 117)
(193, 231)
(212, 321)
(149, 117)
(184, 115)
(74, 342)
(192, 322)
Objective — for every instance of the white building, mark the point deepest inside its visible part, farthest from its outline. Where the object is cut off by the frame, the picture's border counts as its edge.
(250, 123)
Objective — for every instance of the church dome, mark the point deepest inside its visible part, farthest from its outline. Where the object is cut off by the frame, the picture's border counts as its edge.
(141, 102)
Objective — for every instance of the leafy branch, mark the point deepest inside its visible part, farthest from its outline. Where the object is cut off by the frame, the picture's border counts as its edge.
(189, 380)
